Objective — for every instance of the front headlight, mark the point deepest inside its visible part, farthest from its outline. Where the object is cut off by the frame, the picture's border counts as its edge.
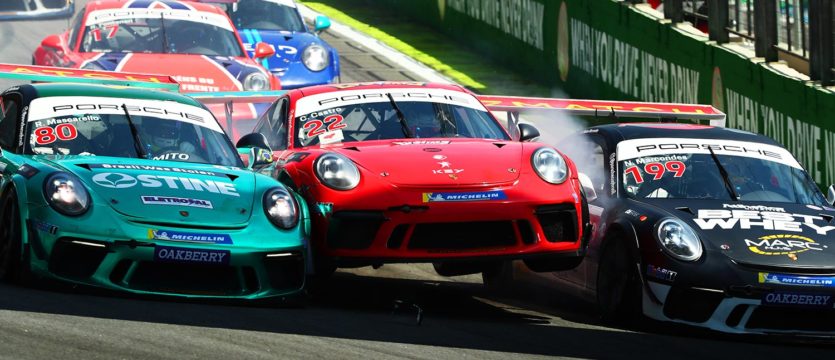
(315, 57)
(256, 82)
(550, 165)
(281, 209)
(337, 171)
(66, 194)
(679, 240)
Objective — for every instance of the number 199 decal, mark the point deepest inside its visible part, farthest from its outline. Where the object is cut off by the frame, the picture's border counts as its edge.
(657, 170)
(48, 135)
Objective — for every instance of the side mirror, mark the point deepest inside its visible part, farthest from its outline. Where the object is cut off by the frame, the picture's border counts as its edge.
(588, 187)
(52, 41)
(527, 132)
(254, 150)
(263, 51)
(321, 23)
(830, 195)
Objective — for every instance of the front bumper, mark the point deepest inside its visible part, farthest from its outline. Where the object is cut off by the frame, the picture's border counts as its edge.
(744, 308)
(136, 265)
(400, 229)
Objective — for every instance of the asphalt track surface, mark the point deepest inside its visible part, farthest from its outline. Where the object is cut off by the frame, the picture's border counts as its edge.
(351, 316)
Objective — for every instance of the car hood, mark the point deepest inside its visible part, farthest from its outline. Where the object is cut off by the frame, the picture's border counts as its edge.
(439, 162)
(194, 72)
(166, 191)
(762, 233)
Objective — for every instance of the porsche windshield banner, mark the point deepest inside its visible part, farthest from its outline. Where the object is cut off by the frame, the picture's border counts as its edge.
(107, 16)
(80, 108)
(329, 100)
(638, 148)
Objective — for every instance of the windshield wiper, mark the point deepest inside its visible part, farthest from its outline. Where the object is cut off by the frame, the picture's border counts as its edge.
(403, 124)
(724, 174)
(137, 142)
(164, 36)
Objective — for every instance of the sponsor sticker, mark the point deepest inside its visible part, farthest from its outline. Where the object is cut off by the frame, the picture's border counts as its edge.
(176, 201)
(45, 227)
(191, 256)
(156, 168)
(123, 181)
(738, 216)
(464, 196)
(331, 137)
(172, 235)
(782, 244)
(797, 300)
(344, 98)
(798, 280)
(421, 142)
(661, 273)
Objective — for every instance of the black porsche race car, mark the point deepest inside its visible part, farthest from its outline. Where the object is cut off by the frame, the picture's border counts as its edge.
(707, 226)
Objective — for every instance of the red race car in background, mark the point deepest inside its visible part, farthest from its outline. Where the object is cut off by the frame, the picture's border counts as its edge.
(414, 172)
(194, 43)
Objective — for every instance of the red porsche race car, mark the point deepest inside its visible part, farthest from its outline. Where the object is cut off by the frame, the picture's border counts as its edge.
(415, 172)
(194, 43)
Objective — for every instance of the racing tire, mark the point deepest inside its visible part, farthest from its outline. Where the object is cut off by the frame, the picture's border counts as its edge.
(618, 283)
(14, 263)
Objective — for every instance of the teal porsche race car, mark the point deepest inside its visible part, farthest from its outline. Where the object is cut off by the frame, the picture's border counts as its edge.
(140, 191)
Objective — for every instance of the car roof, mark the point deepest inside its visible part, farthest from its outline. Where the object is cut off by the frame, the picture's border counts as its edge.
(167, 4)
(321, 89)
(69, 89)
(642, 130)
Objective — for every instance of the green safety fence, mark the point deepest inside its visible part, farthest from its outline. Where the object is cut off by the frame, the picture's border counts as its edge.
(606, 49)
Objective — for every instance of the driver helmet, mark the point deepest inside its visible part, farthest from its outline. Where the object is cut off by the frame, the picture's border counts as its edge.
(424, 121)
(165, 134)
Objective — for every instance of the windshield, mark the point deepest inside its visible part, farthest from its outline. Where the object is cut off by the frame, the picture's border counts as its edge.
(98, 126)
(370, 115)
(278, 15)
(685, 169)
(156, 31)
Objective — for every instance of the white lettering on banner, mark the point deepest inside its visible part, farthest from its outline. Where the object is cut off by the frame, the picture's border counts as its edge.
(630, 70)
(522, 19)
(709, 219)
(806, 141)
(638, 148)
(320, 103)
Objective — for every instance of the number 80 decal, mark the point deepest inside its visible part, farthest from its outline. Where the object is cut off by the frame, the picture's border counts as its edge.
(315, 128)
(657, 170)
(47, 135)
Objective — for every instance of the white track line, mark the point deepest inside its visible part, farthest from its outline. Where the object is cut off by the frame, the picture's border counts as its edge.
(425, 72)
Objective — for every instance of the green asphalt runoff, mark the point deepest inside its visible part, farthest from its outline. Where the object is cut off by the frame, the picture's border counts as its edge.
(432, 48)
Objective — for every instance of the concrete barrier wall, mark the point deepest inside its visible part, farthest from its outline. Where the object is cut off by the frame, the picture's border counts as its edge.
(609, 49)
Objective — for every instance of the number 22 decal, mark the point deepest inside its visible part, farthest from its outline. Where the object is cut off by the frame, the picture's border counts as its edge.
(657, 170)
(316, 127)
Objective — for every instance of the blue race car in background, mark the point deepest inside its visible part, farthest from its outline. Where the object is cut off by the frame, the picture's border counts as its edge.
(301, 57)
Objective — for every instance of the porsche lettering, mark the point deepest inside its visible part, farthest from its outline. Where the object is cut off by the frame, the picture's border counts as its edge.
(714, 147)
(130, 108)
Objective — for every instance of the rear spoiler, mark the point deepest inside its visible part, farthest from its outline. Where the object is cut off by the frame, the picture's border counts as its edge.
(54, 74)
(231, 97)
(618, 109)
(36, 10)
